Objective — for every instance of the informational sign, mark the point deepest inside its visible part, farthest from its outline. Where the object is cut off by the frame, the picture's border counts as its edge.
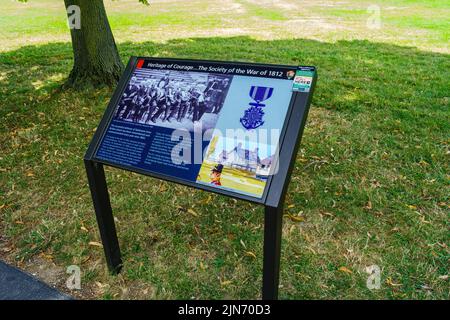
(216, 125)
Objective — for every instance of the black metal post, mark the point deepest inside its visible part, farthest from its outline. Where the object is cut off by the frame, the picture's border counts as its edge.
(103, 212)
(272, 249)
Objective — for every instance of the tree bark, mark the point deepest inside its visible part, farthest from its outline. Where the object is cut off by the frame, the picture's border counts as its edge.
(96, 58)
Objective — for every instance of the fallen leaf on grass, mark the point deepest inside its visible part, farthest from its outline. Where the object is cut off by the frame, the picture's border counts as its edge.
(250, 254)
(307, 238)
(207, 201)
(101, 286)
(375, 184)
(391, 283)
(195, 214)
(423, 163)
(84, 229)
(327, 214)
(292, 228)
(225, 282)
(296, 218)
(46, 256)
(422, 219)
(426, 287)
(444, 277)
(345, 270)
(312, 250)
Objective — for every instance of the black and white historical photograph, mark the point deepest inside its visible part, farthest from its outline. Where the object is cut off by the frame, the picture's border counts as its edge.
(174, 99)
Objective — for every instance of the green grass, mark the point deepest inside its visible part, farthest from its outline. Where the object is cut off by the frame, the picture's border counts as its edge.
(420, 23)
(371, 179)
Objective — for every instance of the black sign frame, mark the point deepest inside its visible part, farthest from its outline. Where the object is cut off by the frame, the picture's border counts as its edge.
(274, 193)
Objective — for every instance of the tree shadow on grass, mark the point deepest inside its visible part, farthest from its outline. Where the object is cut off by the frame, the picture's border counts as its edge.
(344, 66)
(353, 75)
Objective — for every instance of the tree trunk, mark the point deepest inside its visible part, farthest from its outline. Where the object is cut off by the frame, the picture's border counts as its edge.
(96, 59)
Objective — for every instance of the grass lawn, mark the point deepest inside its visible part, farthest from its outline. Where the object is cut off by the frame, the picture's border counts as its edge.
(371, 179)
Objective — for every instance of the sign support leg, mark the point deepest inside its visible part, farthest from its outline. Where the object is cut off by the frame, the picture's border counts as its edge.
(103, 212)
(272, 247)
